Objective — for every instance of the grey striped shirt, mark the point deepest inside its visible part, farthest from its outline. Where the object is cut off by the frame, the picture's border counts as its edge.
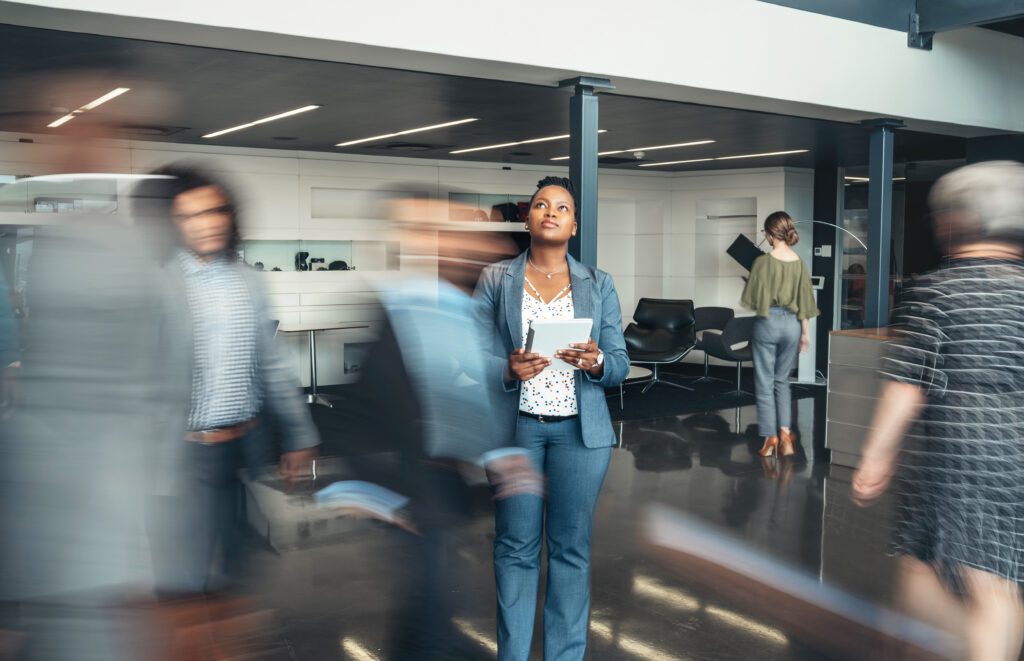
(225, 356)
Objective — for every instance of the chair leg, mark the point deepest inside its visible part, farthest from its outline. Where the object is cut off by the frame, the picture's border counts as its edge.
(739, 381)
(656, 379)
(707, 378)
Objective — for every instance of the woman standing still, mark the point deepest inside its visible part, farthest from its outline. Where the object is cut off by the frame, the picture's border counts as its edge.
(560, 418)
(779, 291)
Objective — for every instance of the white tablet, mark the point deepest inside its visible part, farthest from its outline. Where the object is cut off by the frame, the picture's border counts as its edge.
(547, 336)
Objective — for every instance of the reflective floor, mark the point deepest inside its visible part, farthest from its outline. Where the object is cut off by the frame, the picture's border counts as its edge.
(338, 600)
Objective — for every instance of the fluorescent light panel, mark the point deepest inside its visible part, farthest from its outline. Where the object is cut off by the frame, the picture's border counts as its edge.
(406, 132)
(726, 158)
(112, 94)
(518, 142)
(692, 160)
(272, 118)
(620, 151)
(864, 180)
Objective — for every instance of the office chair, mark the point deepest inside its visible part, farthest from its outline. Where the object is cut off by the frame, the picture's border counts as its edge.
(662, 333)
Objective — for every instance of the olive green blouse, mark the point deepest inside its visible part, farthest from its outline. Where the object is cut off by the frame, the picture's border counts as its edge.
(775, 283)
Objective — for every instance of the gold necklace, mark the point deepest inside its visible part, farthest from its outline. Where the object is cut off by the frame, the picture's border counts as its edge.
(545, 274)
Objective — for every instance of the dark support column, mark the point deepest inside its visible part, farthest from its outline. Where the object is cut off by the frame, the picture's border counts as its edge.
(880, 170)
(827, 185)
(583, 162)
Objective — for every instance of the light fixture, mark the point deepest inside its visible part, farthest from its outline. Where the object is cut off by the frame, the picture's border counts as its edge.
(692, 160)
(112, 94)
(726, 158)
(620, 151)
(406, 132)
(864, 180)
(282, 115)
(518, 142)
(768, 153)
(103, 176)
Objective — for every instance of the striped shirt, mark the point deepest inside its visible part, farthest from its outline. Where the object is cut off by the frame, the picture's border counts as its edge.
(225, 357)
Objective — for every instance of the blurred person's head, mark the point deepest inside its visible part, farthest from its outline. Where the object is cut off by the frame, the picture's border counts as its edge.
(430, 238)
(857, 269)
(979, 203)
(553, 214)
(779, 228)
(201, 208)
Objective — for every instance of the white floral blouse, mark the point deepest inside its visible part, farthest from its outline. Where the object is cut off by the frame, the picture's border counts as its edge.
(552, 392)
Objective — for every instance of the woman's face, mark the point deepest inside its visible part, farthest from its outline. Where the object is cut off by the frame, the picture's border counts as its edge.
(552, 218)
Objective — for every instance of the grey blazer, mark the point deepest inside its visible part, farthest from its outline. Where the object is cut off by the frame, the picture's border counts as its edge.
(500, 297)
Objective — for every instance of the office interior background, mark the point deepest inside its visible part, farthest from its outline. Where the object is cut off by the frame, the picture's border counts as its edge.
(704, 116)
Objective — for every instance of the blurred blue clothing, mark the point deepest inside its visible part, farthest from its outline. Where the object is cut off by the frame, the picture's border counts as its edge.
(435, 331)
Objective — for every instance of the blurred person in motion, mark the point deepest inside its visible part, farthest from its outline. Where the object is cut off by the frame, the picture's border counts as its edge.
(957, 366)
(224, 370)
(79, 448)
(560, 418)
(779, 291)
(10, 351)
(424, 391)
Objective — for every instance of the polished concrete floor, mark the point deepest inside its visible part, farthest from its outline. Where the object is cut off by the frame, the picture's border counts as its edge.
(338, 599)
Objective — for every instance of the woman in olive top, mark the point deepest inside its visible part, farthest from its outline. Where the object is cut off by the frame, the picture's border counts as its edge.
(779, 290)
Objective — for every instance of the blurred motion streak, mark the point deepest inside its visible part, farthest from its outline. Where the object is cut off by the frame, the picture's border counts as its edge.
(835, 622)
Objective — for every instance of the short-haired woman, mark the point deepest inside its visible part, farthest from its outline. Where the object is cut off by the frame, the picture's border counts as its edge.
(560, 418)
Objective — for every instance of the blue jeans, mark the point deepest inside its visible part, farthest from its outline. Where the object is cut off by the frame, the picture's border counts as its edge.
(775, 345)
(574, 475)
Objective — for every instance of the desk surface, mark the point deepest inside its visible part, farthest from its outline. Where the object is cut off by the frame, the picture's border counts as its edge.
(322, 325)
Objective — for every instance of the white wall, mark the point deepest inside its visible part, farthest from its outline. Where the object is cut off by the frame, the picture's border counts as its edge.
(735, 53)
(653, 235)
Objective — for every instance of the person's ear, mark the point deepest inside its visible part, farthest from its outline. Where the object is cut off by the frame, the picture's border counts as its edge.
(575, 226)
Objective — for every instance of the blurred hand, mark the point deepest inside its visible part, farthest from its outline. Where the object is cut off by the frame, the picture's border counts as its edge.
(582, 355)
(524, 366)
(296, 464)
(514, 476)
(871, 480)
(805, 343)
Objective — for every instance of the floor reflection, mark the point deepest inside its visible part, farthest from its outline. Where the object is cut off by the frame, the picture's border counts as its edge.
(337, 599)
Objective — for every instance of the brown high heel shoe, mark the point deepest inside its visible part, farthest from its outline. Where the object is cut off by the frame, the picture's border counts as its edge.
(771, 445)
(786, 441)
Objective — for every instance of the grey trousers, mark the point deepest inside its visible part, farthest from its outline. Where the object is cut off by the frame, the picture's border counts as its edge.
(776, 343)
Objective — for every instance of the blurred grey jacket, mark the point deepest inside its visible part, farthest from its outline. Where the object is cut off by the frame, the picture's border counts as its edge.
(500, 298)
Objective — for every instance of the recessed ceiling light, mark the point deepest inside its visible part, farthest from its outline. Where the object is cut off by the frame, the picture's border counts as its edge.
(620, 151)
(692, 160)
(864, 180)
(768, 153)
(725, 158)
(112, 94)
(406, 132)
(518, 142)
(262, 121)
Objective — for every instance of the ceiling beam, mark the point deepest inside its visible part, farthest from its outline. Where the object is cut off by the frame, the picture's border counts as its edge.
(933, 16)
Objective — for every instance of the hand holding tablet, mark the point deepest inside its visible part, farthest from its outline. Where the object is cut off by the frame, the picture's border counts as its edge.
(563, 341)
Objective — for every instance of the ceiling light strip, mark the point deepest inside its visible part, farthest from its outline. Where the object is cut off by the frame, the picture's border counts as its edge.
(518, 142)
(726, 158)
(407, 132)
(653, 148)
(112, 94)
(264, 120)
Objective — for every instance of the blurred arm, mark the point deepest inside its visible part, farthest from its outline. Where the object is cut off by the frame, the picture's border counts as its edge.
(898, 406)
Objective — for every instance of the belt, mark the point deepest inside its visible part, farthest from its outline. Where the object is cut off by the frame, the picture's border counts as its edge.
(222, 434)
(548, 418)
